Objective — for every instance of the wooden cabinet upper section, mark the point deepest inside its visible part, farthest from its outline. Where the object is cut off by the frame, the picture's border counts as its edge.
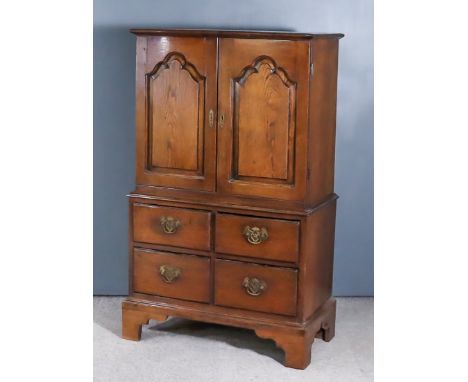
(237, 113)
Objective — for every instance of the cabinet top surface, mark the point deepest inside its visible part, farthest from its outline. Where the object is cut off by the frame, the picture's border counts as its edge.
(234, 33)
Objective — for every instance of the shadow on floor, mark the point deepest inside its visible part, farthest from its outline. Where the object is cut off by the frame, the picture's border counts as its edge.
(107, 314)
(237, 337)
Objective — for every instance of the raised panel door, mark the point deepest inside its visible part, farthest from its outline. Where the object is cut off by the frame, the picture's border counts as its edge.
(262, 127)
(176, 105)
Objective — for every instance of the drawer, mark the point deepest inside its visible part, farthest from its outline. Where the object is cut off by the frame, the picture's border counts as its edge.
(179, 276)
(262, 238)
(255, 287)
(178, 227)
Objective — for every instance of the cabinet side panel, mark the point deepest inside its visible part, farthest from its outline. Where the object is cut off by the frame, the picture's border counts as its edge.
(130, 247)
(316, 273)
(322, 119)
(140, 110)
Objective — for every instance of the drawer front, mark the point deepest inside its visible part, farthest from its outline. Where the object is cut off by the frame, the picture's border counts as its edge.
(257, 237)
(172, 226)
(255, 287)
(179, 276)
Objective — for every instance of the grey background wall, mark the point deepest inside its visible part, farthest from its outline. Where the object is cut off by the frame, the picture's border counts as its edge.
(114, 142)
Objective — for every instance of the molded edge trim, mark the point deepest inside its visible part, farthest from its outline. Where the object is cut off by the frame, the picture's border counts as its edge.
(234, 33)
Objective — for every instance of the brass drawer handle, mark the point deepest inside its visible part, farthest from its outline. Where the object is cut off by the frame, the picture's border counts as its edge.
(255, 235)
(168, 273)
(169, 225)
(254, 286)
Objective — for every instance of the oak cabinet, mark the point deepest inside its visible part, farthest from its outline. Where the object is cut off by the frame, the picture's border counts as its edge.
(232, 218)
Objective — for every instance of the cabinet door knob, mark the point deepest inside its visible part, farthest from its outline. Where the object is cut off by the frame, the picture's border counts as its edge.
(169, 225)
(254, 286)
(211, 118)
(255, 235)
(168, 273)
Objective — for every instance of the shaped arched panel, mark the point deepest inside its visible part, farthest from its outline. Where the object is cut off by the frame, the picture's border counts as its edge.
(264, 123)
(175, 116)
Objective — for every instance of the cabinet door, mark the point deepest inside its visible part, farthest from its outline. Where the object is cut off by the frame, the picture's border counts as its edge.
(176, 104)
(262, 127)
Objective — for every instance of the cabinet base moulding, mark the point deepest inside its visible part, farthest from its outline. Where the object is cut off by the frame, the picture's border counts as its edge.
(295, 339)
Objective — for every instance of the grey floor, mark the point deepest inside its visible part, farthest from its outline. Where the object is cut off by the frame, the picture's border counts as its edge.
(184, 351)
